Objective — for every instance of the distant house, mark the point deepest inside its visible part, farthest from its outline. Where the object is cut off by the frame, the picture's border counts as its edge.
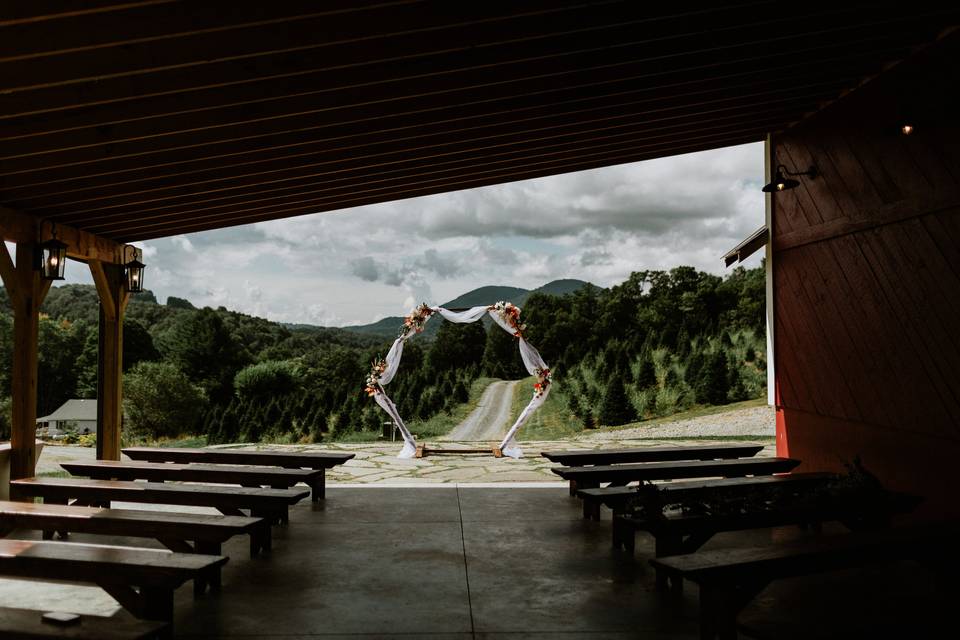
(74, 416)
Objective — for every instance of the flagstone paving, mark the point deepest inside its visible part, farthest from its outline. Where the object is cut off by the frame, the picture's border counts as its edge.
(377, 462)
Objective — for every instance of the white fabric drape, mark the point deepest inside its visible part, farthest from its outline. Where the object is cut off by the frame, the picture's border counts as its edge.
(531, 360)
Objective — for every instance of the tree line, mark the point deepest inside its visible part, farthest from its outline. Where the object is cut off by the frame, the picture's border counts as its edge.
(654, 344)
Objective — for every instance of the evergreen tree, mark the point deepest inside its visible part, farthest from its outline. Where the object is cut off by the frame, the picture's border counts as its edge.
(694, 367)
(588, 421)
(616, 408)
(573, 403)
(460, 392)
(647, 376)
(501, 357)
(714, 383)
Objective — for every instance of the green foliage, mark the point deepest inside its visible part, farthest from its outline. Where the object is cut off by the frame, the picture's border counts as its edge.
(179, 303)
(616, 408)
(658, 333)
(160, 401)
(501, 357)
(266, 380)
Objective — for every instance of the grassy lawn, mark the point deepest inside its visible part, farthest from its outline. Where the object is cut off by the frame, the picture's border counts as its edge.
(554, 420)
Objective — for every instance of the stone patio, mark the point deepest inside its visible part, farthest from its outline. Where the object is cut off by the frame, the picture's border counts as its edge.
(378, 463)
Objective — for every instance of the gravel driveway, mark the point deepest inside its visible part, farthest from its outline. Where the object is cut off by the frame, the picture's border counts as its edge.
(489, 420)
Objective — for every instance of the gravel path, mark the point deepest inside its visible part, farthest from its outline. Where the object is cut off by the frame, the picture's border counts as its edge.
(489, 420)
(755, 421)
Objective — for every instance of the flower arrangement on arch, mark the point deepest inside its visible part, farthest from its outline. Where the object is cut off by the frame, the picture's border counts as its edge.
(510, 313)
(377, 367)
(415, 322)
(543, 382)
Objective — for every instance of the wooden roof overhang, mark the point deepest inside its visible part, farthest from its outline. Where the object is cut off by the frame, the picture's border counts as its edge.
(146, 118)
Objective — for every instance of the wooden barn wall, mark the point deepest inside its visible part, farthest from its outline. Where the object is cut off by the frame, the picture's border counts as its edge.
(867, 282)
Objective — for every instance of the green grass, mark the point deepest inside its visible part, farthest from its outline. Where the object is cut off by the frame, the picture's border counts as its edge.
(554, 421)
(54, 474)
(443, 423)
(439, 425)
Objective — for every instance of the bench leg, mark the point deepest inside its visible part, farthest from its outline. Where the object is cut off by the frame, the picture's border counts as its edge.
(212, 578)
(318, 487)
(623, 536)
(261, 539)
(157, 603)
(721, 603)
(573, 488)
(591, 509)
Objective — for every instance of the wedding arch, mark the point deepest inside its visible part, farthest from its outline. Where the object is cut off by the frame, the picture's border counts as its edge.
(505, 314)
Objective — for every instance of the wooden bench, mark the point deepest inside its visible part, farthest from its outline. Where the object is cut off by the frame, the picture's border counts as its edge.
(275, 477)
(27, 624)
(623, 474)
(141, 580)
(677, 534)
(176, 531)
(616, 498)
(320, 461)
(271, 504)
(730, 578)
(590, 457)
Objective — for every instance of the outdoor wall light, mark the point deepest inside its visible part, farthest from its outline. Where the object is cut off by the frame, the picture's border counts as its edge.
(906, 129)
(52, 257)
(782, 181)
(134, 274)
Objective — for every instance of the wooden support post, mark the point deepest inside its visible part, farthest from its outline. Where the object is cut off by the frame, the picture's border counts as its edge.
(26, 292)
(109, 281)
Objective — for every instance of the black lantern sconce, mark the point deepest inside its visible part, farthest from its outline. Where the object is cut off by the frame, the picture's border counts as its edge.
(52, 256)
(134, 270)
(782, 180)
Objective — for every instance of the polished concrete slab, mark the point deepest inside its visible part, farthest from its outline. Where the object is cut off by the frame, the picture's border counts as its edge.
(461, 562)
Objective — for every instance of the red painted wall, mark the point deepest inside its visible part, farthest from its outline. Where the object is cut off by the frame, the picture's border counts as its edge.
(867, 282)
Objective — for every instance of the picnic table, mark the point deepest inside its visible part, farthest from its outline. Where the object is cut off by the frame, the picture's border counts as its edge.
(623, 474)
(730, 578)
(589, 457)
(141, 580)
(617, 498)
(183, 532)
(318, 460)
(271, 504)
(276, 477)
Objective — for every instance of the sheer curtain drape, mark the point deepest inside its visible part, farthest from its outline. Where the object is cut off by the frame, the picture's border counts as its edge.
(531, 360)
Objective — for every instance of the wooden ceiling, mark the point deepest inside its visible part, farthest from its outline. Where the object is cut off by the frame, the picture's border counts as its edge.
(149, 118)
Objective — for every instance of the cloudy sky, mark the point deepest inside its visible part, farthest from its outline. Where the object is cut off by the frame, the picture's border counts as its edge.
(358, 265)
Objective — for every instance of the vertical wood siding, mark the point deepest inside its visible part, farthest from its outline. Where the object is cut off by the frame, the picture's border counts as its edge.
(867, 281)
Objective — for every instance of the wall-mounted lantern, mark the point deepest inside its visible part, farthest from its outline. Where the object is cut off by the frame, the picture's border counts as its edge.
(52, 257)
(781, 181)
(134, 275)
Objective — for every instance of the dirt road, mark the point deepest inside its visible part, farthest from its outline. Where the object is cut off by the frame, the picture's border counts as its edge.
(489, 420)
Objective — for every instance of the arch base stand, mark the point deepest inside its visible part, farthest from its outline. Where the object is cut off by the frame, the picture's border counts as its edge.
(423, 451)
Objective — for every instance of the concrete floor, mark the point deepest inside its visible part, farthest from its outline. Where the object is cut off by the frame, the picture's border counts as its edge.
(455, 561)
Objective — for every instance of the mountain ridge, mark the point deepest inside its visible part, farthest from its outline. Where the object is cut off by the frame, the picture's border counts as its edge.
(485, 295)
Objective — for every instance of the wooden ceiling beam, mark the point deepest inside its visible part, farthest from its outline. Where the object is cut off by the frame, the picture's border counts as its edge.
(19, 227)
(461, 117)
(430, 185)
(311, 190)
(337, 162)
(20, 162)
(420, 62)
(337, 158)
